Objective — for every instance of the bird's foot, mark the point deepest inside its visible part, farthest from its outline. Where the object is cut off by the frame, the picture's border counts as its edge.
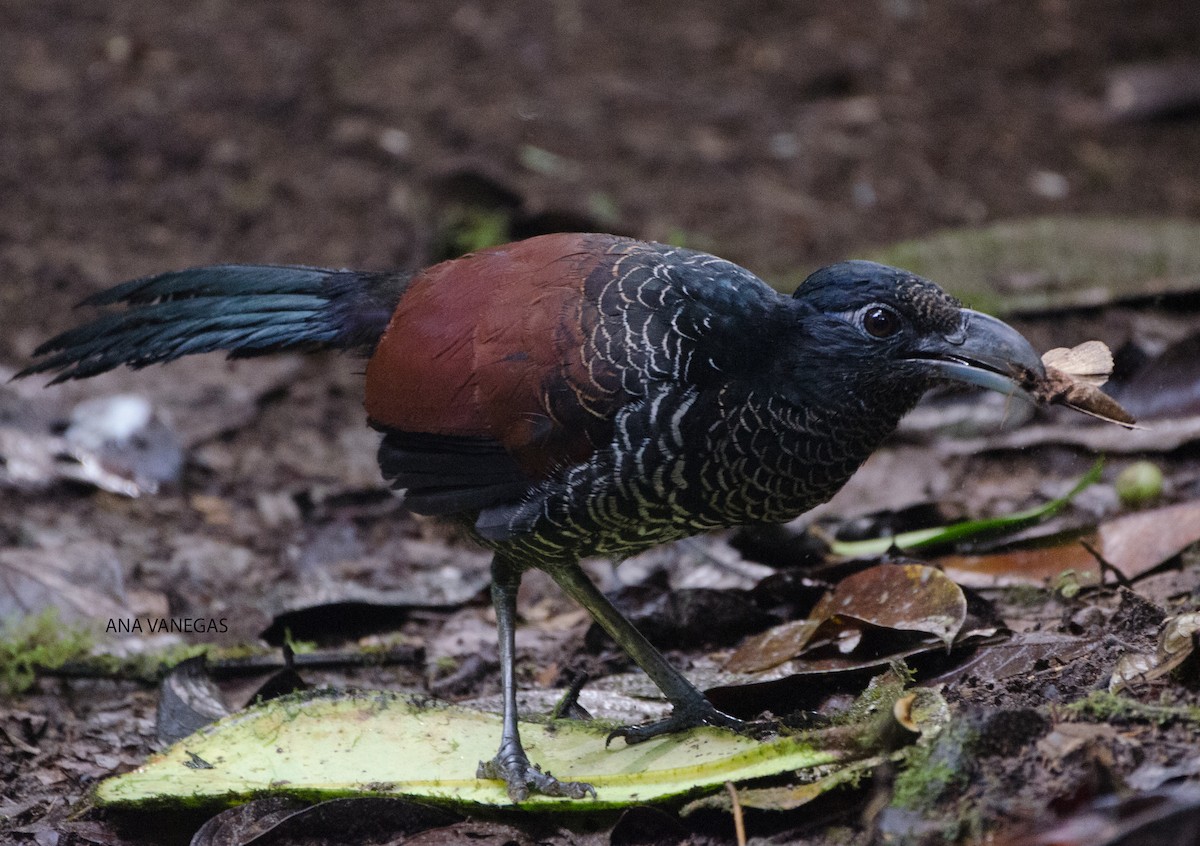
(683, 717)
(522, 778)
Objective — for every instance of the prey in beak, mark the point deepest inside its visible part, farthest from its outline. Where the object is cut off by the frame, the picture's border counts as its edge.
(991, 354)
(983, 351)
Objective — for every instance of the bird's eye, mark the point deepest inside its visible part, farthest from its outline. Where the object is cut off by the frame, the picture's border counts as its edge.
(881, 322)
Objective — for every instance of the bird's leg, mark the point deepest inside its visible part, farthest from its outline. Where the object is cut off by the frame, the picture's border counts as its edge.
(511, 764)
(691, 707)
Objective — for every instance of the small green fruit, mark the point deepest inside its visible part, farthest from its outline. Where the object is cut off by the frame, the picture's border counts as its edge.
(1141, 483)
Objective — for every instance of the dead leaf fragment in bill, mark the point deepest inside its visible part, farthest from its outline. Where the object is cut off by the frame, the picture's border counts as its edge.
(906, 597)
(1073, 378)
(1091, 361)
(1059, 387)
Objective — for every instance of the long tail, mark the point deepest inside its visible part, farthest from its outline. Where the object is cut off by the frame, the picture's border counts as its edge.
(245, 309)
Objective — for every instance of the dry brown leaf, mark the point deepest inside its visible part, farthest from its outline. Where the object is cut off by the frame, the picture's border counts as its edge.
(1091, 361)
(83, 581)
(1176, 642)
(1064, 389)
(1033, 566)
(1137, 543)
(1022, 653)
(908, 597)
(1134, 544)
(902, 710)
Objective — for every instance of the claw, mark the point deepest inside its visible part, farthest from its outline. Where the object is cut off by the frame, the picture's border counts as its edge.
(521, 777)
(682, 718)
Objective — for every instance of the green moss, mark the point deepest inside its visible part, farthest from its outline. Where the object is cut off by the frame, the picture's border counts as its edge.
(1026, 596)
(1103, 706)
(690, 240)
(1067, 584)
(150, 666)
(466, 229)
(146, 667)
(39, 640)
(933, 785)
(924, 779)
(298, 647)
(878, 699)
(42, 644)
(931, 771)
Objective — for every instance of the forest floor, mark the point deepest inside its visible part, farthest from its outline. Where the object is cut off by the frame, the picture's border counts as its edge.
(146, 136)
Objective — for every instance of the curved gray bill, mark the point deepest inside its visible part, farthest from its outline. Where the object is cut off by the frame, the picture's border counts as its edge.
(984, 351)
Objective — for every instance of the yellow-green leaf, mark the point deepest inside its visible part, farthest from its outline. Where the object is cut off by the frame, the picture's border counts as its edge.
(326, 745)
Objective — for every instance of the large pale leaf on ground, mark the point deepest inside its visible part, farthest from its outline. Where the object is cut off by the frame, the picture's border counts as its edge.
(919, 715)
(1055, 262)
(326, 745)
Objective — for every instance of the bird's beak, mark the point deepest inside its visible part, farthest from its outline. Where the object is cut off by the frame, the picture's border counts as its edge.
(983, 351)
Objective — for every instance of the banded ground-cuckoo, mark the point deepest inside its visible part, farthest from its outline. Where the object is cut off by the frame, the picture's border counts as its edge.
(577, 395)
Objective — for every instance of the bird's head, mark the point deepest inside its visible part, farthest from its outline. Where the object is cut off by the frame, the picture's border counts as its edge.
(882, 331)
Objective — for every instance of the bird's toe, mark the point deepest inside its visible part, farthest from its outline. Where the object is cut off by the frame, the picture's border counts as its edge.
(682, 718)
(522, 778)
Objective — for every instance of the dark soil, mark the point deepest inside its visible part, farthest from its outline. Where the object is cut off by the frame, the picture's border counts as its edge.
(142, 136)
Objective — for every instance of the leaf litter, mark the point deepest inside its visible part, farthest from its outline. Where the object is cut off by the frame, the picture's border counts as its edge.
(1121, 549)
(1176, 644)
(1042, 661)
(900, 597)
